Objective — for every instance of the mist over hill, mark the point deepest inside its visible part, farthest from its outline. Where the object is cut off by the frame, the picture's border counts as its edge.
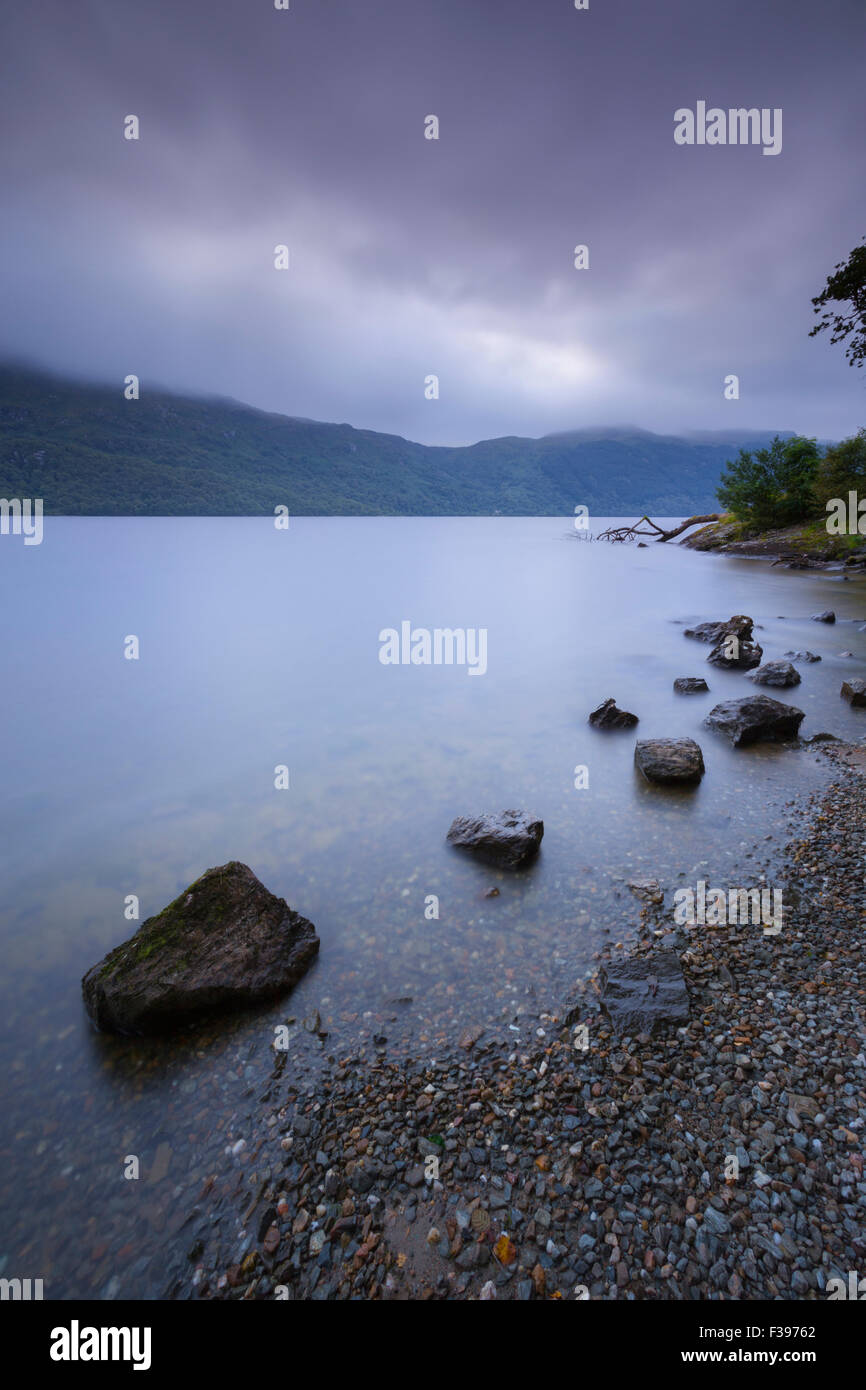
(85, 450)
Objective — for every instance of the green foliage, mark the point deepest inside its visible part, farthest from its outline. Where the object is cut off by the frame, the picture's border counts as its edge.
(846, 286)
(85, 451)
(843, 470)
(774, 486)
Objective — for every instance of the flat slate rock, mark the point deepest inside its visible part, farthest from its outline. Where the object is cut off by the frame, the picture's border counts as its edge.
(757, 718)
(855, 692)
(645, 994)
(508, 839)
(690, 685)
(780, 673)
(607, 716)
(225, 943)
(669, 760)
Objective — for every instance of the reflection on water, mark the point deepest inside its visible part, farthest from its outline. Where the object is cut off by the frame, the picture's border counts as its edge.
(261, 648)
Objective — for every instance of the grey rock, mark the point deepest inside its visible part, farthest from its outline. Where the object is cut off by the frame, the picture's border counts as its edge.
(508, 839)
(669, 760)
(828, 616)
(607, 716)
(755, 718)
(225, 943)
(644, 994)
(690, 685)
(854, 692)
(780, 673)
(739, 624)
(735, 653)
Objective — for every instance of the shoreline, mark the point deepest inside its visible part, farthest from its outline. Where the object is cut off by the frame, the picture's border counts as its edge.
(806, 545)
(603, 1169)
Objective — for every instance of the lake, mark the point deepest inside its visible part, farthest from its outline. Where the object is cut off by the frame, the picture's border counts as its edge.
(259, 649)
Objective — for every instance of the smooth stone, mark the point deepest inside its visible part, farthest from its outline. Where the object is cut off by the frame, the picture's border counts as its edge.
(669, 760)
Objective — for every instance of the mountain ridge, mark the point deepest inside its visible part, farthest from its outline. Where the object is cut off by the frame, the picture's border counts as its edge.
(85, 450)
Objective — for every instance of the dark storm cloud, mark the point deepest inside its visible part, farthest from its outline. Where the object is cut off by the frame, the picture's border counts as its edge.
(455, 256)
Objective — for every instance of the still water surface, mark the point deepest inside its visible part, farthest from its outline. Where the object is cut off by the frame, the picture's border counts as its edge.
(259, 648)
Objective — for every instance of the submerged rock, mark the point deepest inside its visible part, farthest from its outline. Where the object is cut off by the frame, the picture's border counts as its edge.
(690, 685)
(828, 616)
(803, 656)
(644, 994)
(776, 673)
(509, 839)
(854, 691)
(607, 716)
(669, 760)
(739, 624)
(649, 890)
(225, 943)
(755, 718)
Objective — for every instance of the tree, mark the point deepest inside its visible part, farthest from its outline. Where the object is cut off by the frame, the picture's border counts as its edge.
(774, 486)
(846, 286)
(843, 469)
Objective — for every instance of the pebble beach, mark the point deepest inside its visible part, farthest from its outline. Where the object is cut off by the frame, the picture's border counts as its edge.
(722, 1160)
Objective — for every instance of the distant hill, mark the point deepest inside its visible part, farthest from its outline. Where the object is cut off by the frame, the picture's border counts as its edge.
(88, 452)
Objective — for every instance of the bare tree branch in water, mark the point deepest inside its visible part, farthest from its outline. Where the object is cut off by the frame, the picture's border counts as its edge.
(656, 533)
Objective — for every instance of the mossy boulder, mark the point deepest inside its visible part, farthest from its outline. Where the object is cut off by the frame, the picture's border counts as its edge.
(225, 943)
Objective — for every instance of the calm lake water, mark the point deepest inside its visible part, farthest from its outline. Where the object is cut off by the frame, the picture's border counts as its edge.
(259, 648)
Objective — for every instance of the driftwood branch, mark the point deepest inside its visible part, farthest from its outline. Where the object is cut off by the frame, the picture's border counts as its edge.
(655, 533)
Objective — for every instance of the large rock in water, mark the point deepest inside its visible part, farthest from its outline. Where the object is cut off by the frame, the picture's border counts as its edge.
(645, 994)
(854, 691)
(224, 943)
(607, 716)
(776, 673)
(739, 624)
(756, 718)
(735, 653)
(508, 839)
(669, 760)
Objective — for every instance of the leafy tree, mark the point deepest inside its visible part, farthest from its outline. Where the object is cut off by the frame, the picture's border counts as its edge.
(843, 469)
(774, 486)
(847, 285)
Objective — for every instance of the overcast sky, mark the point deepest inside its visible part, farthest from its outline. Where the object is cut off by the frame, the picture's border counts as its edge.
(454, 256)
